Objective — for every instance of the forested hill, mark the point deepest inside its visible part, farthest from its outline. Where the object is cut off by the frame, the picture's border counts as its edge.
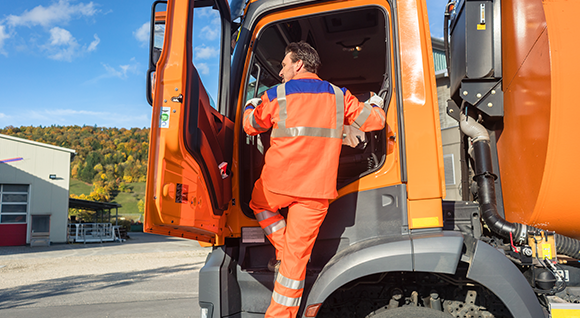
(111, 156)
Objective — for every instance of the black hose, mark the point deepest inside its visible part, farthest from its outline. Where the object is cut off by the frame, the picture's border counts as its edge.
(486, 192)
(568, 246)
(487, 203)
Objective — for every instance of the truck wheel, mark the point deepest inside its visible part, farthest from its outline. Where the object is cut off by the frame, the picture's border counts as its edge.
(406, 312)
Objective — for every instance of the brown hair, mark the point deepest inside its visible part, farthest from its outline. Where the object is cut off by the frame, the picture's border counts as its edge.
(305, 52)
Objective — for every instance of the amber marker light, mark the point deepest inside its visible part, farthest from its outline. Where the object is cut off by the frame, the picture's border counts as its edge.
(312, 310)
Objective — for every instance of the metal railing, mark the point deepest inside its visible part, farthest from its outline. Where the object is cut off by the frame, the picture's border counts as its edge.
(93, 232)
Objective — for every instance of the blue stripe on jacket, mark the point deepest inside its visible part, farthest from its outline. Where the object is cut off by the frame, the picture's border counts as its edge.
(301, 86)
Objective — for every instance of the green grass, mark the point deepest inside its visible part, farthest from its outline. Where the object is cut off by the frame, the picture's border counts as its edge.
(78, 187)
(129, 201)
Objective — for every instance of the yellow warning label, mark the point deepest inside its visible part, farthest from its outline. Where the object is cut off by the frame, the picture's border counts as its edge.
(547, 251)
(481, 26)
(565, 310)
(565, 313)
(425, 222)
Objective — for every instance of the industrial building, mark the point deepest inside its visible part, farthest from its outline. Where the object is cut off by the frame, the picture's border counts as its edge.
(34, 192)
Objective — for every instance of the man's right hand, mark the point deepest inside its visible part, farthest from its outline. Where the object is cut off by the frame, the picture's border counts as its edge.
(254, 102)
(376, 100)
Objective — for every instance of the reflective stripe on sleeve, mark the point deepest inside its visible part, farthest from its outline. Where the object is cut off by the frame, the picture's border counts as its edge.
(286, 301)
(282, 131)
(381, 114)
(363, 116)
(255, 124)
(275, 227)
(289, 283)
(265, 215)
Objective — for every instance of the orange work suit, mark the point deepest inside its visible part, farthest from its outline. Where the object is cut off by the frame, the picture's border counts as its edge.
(306, 116)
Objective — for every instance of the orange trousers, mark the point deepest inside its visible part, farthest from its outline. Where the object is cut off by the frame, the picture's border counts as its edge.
(293, 239)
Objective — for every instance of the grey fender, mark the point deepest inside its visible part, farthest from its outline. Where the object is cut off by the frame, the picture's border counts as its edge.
(429, 252)
(497, 273)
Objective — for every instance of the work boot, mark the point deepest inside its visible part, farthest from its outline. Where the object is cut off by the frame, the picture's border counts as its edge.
(274, 266)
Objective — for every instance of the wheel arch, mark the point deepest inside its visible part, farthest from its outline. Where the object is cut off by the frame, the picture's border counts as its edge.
(493, 270)
(438, 251)
(433, 253)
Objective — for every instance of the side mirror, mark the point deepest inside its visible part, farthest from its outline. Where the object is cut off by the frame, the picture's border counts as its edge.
(156, 38)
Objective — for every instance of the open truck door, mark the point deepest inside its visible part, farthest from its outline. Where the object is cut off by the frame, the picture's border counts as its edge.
(190, 150)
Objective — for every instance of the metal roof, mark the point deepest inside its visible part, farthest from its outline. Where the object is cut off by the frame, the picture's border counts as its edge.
(35, 143)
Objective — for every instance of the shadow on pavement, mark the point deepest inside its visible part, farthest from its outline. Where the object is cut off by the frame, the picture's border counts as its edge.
(30, 294)
(136, 238)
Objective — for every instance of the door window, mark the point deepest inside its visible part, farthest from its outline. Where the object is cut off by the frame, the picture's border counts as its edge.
(206, 41)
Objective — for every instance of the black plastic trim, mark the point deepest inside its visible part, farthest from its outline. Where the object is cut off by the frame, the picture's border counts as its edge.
(399, 87)
(497, 273)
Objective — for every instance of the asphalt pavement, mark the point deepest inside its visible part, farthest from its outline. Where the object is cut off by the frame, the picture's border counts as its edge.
(146, 276)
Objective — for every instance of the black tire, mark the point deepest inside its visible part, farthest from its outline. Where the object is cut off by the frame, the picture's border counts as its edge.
(408, 312)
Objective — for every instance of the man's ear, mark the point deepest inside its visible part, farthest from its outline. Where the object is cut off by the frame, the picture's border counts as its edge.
(299, 65)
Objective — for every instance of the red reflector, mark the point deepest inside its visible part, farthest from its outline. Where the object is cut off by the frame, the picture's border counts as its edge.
(312, 310)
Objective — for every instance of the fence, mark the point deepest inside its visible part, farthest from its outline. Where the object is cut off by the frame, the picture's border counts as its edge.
(93, 232)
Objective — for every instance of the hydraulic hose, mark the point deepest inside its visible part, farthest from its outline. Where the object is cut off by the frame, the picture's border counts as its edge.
(486, 193)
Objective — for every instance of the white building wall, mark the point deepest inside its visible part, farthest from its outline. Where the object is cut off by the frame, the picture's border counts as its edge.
(46, 196)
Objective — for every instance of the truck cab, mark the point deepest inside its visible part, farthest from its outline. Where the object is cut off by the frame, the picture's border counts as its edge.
(390, 243)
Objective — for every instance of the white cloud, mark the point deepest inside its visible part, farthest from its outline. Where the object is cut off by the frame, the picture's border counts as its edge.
(60, 36)
(58, 12)
(211, 19)
(2, 115)
(202, 68)
(210, 32)
(93, 45)
(62, 45)
(3, 36)
(122, 71)
(68, 112)
(86, 117)
(142, 33)
(204, 52)
(112, 72)
(208, 12)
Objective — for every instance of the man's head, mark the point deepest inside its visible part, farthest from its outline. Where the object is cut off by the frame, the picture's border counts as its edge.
(299, 58)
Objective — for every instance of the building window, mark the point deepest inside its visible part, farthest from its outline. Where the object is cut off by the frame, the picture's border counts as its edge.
(13, 203)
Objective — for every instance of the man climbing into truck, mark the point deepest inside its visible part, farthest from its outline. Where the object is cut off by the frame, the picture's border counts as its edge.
(306, 115)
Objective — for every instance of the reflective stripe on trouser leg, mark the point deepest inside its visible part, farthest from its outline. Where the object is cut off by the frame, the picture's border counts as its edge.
(270, 221)
(273, 225)
(304, 218)
(264, 200)
(286, 297)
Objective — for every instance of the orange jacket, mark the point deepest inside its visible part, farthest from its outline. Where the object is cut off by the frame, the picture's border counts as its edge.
(307, 115)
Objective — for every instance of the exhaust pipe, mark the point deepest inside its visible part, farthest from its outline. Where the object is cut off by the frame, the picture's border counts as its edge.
(486, 193)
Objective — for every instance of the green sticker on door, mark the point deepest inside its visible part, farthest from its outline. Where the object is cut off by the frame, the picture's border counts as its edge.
(164, 117)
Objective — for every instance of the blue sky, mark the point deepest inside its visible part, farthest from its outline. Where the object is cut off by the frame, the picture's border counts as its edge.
(77, 62)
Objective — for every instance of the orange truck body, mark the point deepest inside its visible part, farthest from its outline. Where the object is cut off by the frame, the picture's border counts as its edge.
(537, 155)
(390, 223)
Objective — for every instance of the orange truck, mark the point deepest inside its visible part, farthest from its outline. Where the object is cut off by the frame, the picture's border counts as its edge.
(391, 244)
